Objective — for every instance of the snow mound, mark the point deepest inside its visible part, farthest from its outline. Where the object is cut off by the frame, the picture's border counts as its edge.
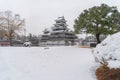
(109, 50)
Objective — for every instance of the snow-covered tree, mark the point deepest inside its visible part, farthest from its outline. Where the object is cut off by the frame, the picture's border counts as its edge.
(98, 20)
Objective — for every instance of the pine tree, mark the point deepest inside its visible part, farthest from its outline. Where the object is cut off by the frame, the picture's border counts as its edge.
(98, 20)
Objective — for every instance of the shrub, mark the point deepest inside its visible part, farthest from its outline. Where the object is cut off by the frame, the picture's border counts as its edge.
(105, 73)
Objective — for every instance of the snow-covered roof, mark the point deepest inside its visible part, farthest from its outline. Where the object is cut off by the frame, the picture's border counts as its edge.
(61, 19)
(58, 31)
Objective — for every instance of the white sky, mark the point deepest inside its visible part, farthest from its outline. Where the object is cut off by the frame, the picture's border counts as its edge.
(40, 14)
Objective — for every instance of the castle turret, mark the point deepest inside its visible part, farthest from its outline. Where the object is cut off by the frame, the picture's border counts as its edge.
(60, 34)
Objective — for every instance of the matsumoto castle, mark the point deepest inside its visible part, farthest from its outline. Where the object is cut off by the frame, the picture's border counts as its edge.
(58, 35)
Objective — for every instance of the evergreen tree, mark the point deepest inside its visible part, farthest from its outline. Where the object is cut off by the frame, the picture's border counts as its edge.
(98, 20)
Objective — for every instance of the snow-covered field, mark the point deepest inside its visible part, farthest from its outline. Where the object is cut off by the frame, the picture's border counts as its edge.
(38, 63)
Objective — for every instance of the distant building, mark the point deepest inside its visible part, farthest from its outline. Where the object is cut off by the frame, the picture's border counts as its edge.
(59, 34)
(87, 39)
(92, 39)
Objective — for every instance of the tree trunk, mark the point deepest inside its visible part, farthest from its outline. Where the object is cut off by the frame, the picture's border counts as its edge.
(11, 41)
(97, 37)
(10, 37)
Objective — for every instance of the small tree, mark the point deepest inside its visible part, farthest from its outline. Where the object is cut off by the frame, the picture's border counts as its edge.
(10, 24)
(98, 20)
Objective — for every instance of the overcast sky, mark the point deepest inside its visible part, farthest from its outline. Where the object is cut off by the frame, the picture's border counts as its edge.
(40, 14)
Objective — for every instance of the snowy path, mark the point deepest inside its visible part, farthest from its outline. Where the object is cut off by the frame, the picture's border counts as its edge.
(37, 63)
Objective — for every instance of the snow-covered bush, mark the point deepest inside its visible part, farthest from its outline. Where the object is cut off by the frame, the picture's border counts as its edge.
(108, 51)
(27, 44)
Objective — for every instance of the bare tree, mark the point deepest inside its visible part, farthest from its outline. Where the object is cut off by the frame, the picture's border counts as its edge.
(10, 24)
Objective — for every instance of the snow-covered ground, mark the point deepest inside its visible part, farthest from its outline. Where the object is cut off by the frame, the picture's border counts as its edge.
(39, 63)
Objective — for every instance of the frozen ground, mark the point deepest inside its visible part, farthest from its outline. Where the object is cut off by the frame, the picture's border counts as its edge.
(38, 63)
